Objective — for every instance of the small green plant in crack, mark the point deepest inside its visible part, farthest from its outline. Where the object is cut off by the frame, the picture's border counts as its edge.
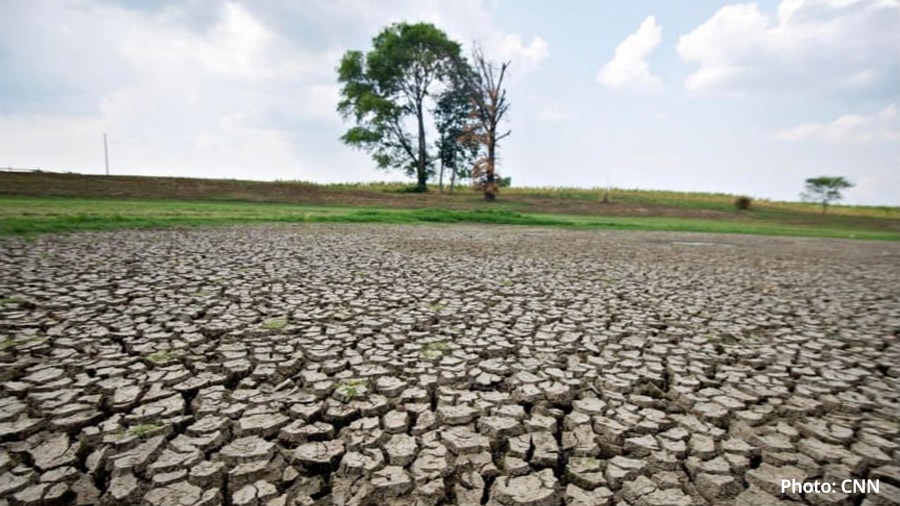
(506, 282)
(440, 346)
(7, 343)
(351, 389)
(144, 429)
(436, 307)
(724, 339)
(160, 356)
(275, 324)
(12, 300)
(434, 349)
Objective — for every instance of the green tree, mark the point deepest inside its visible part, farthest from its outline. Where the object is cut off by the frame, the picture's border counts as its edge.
(825, 189)
(456, 152)
(388, 85)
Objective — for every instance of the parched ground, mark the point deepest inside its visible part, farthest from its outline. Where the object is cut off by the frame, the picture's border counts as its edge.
(445, 365)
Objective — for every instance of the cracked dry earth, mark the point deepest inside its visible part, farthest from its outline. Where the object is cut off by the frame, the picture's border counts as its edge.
(349, 364)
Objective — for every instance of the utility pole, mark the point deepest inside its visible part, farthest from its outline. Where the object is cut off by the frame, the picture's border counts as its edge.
(105, 153)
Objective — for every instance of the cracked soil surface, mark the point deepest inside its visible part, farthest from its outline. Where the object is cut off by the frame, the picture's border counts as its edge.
(345, 364)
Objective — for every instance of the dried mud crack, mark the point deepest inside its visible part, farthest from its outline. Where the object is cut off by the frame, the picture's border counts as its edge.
(445, 365)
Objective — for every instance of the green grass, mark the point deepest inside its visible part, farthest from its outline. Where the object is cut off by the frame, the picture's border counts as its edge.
(440, 346)
(143, 430)
(8, 343)
(161, 356)
(721, 339)
(28, 216)
(275, 324)
(349, 390)
(435, 349)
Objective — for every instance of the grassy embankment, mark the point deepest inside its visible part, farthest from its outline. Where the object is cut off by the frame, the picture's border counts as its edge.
(41, 203)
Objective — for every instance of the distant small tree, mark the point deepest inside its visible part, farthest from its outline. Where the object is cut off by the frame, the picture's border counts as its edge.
(825, 190)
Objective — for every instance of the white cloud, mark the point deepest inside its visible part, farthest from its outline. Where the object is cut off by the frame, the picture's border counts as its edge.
(843, 44)
(882, 126)
(467, 21)
(511, 47)
(629, 68)
(236, 46)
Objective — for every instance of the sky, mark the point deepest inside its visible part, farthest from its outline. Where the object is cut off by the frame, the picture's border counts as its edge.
(743, 98)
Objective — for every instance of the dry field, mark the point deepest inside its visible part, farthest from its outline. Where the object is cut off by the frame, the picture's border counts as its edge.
(400, 365)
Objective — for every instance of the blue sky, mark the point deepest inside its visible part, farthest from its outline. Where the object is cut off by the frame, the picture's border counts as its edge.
(705, 96)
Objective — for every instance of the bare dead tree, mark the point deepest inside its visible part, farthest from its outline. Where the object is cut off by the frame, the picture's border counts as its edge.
(484, 83)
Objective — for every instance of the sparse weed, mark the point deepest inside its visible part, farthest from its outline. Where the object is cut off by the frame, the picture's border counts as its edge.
(440, 346)
(8, 343)
(275, 324)
(160, 356)
(144, 429)
(350, 389)
(434, 349)
(720, 339)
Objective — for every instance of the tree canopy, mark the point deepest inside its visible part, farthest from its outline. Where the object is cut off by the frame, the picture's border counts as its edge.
(388, 85)
(455, 151)
(825, 189)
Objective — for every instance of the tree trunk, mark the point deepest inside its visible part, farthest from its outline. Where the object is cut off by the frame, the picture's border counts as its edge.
(490, 187)
(441, 176)
(452, 179)
(490, 194)
(422, 176)
(824, 206)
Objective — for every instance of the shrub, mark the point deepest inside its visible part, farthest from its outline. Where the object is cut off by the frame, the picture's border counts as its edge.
(743, 202)
(407, 189)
